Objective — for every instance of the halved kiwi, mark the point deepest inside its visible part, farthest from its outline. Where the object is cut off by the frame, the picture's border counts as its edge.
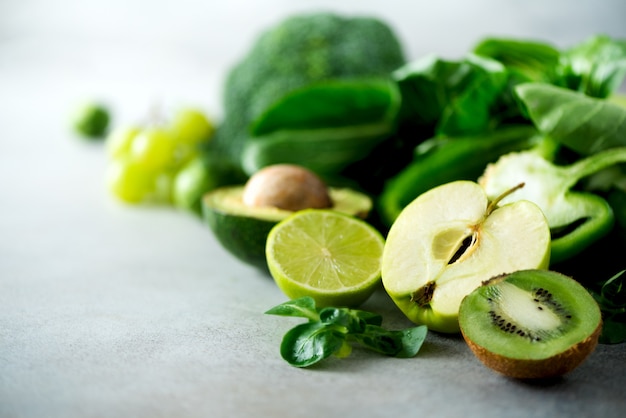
(531, 323)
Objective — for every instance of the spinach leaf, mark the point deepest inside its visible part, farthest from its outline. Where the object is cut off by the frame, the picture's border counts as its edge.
(324, 126)
(331, 104)
(332, 330)
(453, 96)
(526, 60)
(327, 151)
(584, 124)
(596, 66)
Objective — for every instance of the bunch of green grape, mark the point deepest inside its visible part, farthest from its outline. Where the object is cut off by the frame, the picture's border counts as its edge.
(145, 162)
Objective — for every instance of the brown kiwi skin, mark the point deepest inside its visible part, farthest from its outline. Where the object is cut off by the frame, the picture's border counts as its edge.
(551, 367)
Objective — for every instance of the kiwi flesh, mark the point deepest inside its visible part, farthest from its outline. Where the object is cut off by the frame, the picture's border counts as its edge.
(531, 324)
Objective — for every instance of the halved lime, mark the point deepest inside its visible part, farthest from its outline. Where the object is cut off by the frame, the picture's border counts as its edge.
(333, 257)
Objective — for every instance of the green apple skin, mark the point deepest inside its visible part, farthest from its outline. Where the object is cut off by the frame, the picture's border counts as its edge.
(429, 231)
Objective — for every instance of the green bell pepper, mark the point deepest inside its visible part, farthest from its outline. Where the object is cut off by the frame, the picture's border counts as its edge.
(576, 218)
(443, 159)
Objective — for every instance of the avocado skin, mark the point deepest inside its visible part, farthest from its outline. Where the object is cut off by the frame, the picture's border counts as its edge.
(243, 231)
(243, 236)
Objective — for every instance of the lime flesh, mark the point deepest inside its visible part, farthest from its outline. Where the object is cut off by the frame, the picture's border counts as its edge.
(332, 257)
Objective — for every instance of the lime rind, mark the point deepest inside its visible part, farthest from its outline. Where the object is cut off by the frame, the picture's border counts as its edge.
(333, 257)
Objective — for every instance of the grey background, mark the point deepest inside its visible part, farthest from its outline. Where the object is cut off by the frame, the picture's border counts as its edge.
(108, 310)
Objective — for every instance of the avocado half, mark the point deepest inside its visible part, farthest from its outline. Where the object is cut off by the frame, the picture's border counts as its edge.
(242, 230)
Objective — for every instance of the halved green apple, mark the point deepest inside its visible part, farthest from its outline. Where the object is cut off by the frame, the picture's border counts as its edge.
(449, 240)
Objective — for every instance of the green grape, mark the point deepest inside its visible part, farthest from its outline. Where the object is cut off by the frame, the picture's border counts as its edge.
(184, 154)
(91, 120)
(130, 181)
(192, 127)
(119, 141)
(190, 184)
(164, 184)
(154, 148)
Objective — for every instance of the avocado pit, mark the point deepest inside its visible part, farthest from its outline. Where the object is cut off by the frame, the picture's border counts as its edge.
(287, 187)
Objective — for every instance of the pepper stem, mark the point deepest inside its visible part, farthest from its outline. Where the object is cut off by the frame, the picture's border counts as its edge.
(594, 163)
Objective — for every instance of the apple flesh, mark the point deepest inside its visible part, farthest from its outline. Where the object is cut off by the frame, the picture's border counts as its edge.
(449, 240)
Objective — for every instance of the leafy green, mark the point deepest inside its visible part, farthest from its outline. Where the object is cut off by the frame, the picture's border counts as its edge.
(331, 331)
(612, 301)
(325, 126)
(584, 124)
(595, 67)
(330, 104)
(324, 151)
(455, 96)
(309, 343)
(525, 60)
(304, 308)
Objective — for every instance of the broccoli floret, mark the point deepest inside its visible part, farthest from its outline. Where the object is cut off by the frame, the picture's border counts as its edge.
(300, 50)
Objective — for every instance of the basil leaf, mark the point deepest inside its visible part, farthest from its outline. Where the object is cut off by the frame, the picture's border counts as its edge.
(302, 307)
(309, 343)
(579, 122)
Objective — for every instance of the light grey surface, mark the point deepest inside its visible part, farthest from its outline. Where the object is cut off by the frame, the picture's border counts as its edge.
(110, 311)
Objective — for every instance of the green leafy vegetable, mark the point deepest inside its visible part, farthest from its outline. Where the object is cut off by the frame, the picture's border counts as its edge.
(324, 151)
(325, 126)
(309, 343)
(595, 67)
(525, 60)
(455, 96)
(330, 104)
(579, 122)
(331, 331)
(612, 301)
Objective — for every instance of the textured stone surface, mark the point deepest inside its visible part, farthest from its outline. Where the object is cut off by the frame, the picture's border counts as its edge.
(109, 311)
